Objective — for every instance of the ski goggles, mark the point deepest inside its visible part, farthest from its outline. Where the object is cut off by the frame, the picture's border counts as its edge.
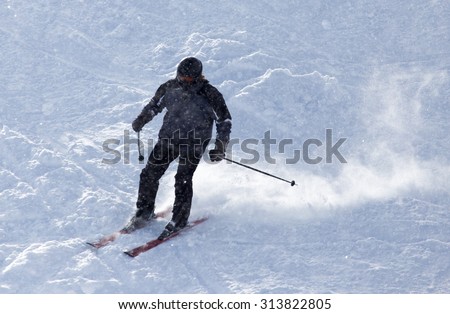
(185, 79)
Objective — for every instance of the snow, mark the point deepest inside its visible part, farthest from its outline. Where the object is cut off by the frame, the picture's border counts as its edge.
(376, 73)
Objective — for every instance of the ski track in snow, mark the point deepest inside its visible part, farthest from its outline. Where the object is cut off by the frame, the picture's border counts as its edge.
(74, 75)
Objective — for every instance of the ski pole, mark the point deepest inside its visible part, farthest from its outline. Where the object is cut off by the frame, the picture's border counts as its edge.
(141, 157)
(292, 183)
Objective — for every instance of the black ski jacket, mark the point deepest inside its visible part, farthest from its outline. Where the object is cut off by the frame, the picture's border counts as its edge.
(191, 111)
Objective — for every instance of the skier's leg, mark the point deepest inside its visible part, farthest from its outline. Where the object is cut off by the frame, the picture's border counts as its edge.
(158, 162)
(183, 196)
(183, 191)
(189, 159)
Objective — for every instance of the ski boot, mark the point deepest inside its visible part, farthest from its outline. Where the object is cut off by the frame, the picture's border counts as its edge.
(172, 228)
(138, 222)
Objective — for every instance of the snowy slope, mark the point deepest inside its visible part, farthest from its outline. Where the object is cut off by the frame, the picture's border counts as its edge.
(73, 75)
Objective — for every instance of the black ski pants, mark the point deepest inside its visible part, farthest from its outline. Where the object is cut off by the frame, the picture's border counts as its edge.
(162, 155)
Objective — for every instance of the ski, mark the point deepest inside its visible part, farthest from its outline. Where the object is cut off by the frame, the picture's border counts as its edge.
(113, 236)
(154, 243)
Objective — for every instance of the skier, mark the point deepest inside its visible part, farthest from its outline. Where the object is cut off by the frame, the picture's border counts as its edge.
(192, 105)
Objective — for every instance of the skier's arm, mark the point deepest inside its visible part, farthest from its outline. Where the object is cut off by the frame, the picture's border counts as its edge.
(223, 116)
(223, 123)
(152, 108)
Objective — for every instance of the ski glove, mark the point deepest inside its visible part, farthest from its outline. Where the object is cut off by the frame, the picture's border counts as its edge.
(145, 117)
(138, 124)
(218, 153)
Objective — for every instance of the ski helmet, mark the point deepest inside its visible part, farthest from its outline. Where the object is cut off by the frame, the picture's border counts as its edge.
(191, 67)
